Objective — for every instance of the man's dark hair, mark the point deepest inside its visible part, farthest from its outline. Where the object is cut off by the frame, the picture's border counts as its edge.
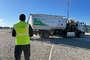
(22, 17)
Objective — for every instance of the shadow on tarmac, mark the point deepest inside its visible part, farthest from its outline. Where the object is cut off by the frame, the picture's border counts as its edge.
(70, 41)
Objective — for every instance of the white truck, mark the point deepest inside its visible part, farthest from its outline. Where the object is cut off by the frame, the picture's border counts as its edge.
(48, 25)
(76, 27)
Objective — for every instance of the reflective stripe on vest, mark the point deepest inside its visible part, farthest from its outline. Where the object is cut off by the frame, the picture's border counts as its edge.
(22, 33)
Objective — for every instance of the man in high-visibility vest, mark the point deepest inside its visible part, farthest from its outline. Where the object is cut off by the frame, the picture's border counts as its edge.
(22, 32)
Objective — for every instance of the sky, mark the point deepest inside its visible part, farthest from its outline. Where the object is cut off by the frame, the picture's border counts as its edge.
(11, 9)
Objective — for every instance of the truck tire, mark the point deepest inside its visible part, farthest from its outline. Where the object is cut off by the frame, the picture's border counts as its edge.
(64, 34)
(78, 34)
(45, 34)
(83, 33)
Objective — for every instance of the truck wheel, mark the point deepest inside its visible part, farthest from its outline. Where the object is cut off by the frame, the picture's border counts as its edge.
(64, 34)
(83, 33)
(45, 35)
(78, 35)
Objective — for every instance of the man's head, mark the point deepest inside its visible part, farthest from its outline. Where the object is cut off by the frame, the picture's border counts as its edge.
(22, 17)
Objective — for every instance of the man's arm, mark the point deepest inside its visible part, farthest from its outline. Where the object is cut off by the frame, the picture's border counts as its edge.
(13, 32)
(30, 31)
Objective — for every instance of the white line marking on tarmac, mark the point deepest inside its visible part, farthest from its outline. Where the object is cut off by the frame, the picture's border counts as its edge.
(51, 51)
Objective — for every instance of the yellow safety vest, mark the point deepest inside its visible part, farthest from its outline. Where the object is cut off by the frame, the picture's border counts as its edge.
(22, 33)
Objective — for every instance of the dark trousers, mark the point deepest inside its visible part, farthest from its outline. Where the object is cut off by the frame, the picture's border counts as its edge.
(19, 49)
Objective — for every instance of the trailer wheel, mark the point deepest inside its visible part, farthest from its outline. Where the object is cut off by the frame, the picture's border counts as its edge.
(45, 34)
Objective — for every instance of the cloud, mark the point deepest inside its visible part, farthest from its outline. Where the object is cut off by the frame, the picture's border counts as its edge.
(2, 23)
